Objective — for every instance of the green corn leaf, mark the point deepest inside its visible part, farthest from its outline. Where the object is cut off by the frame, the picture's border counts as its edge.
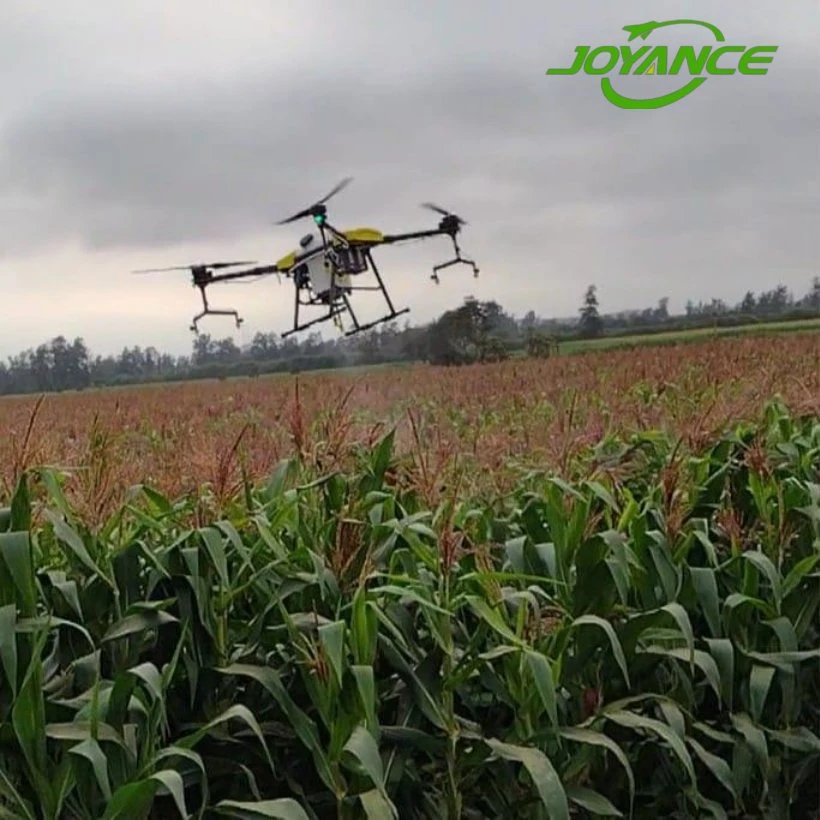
(366, 687)
(722, 650)
(703, 660)
(590, 737)
(716, 765)
(215, 547)
(303, 725)
(12, 799)
(542, 675)
(363, 748)
(72, 540)
(137, 623)
(617, 649)
(132, 801)
(755, 739)
(15, 553)
(376, 806)
(547, 782)
(332, 637)
(93, 753)
(767, 569)
(8, 645)
(637, 722)
(236, 712)
(760, 682)
(593, 802)
(705, 583)
(283, 809)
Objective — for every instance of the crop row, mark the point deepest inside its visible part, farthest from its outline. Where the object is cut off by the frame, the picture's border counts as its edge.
(333, 645)
(490, 417)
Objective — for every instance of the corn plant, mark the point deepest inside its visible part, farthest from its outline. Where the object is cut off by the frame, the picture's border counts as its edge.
(639, 643)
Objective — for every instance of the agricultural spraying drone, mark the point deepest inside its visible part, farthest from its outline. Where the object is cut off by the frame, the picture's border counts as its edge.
(324, 266)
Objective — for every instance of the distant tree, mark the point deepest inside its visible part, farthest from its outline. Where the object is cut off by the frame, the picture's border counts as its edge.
(369, 344)
(475, 331)
(812, 299)
(204, 348)
(529, 321)
(591, 323)
(493, 349)
(226, 350)
(264, 346)
(540, 345)
(749, 303)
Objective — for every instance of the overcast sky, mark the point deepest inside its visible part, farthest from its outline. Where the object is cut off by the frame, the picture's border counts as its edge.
(145, 133)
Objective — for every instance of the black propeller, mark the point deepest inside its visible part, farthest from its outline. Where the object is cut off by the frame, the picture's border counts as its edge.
(205, 266)
(318, 208)
(445, 213)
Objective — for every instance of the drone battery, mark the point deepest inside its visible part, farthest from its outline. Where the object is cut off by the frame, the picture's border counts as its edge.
(350, 260)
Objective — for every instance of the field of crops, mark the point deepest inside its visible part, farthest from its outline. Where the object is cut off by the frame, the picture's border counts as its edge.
(767, 329)
(586, 586)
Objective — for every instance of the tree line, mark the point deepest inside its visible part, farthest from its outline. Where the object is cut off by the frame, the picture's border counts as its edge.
(474, 331)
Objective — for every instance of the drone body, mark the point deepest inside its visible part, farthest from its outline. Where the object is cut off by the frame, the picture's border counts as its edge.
(326, 267)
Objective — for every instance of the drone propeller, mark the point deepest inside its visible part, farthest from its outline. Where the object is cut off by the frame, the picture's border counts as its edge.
(317, 209)
(445, 213)
(211, 266)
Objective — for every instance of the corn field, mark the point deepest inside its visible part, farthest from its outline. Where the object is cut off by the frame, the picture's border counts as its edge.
(585, 587)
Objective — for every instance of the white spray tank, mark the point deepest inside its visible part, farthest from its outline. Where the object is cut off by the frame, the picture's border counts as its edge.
(319, 267)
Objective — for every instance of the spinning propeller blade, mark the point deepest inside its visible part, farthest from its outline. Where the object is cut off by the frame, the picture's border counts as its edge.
(309, 210)
(210, 265)
(439, 210)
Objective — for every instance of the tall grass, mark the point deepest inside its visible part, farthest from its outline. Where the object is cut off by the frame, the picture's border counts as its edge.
(336, 645)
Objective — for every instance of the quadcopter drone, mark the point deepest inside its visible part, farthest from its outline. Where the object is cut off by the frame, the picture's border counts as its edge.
(324, 266)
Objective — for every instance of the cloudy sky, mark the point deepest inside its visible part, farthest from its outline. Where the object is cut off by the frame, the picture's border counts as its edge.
(145, 133)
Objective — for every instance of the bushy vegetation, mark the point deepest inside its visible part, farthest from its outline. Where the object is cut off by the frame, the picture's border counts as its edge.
(640, 643)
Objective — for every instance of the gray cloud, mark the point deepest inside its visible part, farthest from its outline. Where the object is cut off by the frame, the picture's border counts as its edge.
(134, 134)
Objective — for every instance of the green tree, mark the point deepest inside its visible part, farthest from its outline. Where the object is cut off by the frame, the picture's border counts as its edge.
(541, 345)
(749, 303)
(473, 332)
(591, 323)
(812, 299)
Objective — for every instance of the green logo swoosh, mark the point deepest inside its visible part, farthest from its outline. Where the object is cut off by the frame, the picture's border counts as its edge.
(653, 102)
(643, 30)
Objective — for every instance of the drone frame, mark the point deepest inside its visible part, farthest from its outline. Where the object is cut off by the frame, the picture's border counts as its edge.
(332, 239)
(337, 296)
(338, 249)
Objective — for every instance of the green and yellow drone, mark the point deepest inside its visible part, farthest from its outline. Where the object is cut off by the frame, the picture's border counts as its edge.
(324, 266)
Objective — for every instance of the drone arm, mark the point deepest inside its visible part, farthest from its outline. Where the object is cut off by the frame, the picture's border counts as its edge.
(389, 239)
(265, 270)
(440, 231)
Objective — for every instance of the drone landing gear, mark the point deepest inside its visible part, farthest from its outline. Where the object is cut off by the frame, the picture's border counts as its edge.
(335, 310)
(459, 259)
(338, 300)
(207, 311)
(357, 328)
